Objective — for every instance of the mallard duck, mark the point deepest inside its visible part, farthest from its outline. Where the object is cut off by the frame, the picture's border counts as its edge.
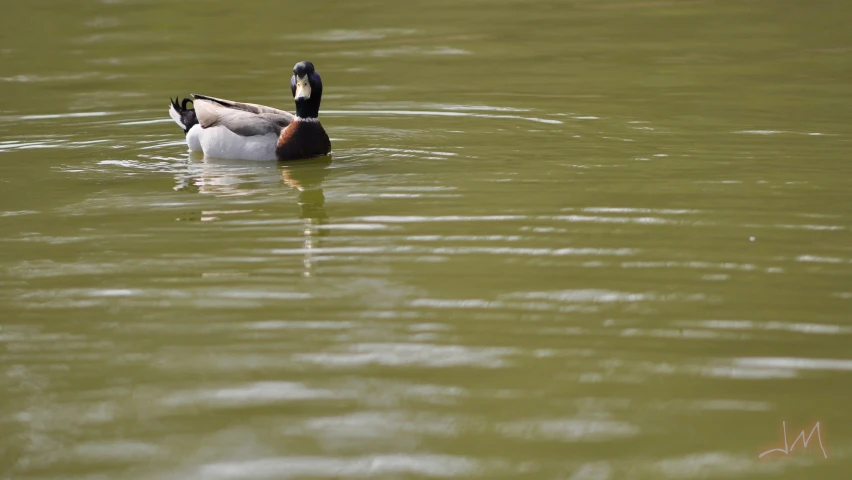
(246, 131)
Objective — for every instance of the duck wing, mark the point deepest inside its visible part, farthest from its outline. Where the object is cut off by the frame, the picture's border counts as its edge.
(246, 119)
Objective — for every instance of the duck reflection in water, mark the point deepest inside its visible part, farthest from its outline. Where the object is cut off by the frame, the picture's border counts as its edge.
(307, 177)
(226, 178)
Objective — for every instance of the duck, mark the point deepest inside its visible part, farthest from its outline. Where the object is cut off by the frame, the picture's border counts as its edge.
(231, 130)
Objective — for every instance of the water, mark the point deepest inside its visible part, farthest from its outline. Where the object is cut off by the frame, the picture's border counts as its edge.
(556, 240)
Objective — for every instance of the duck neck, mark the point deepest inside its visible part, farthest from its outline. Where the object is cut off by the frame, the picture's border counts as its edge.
(308, 109)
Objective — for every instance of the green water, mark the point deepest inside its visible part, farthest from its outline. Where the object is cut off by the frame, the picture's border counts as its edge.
(577, 240)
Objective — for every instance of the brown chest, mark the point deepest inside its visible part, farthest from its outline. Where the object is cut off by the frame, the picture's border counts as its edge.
(302, 139)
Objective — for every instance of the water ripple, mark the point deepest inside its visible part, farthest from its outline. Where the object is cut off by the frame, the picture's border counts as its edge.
(791, 363)
(260, 393)
(406, 354)
(365, 466)
(569, 430)
(380, 113)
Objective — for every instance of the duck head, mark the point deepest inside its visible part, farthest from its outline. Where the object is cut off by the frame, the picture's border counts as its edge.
(306, 86)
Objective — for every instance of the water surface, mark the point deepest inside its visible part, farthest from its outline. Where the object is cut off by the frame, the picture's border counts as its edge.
(556, 240)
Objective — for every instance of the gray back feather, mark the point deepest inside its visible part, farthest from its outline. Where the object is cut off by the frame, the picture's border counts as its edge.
(246, 119)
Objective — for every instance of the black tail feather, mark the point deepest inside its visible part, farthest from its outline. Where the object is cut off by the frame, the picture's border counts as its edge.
(187, 115)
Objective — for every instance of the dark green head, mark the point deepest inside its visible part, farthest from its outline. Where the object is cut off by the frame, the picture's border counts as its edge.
(306, 86)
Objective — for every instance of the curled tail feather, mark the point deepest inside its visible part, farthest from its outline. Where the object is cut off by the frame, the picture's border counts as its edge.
(184, 117)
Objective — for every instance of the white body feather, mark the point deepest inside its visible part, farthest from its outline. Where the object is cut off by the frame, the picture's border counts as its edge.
(192, 139)
(219, 142)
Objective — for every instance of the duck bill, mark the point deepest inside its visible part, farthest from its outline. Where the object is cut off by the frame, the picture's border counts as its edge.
(303, 88)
